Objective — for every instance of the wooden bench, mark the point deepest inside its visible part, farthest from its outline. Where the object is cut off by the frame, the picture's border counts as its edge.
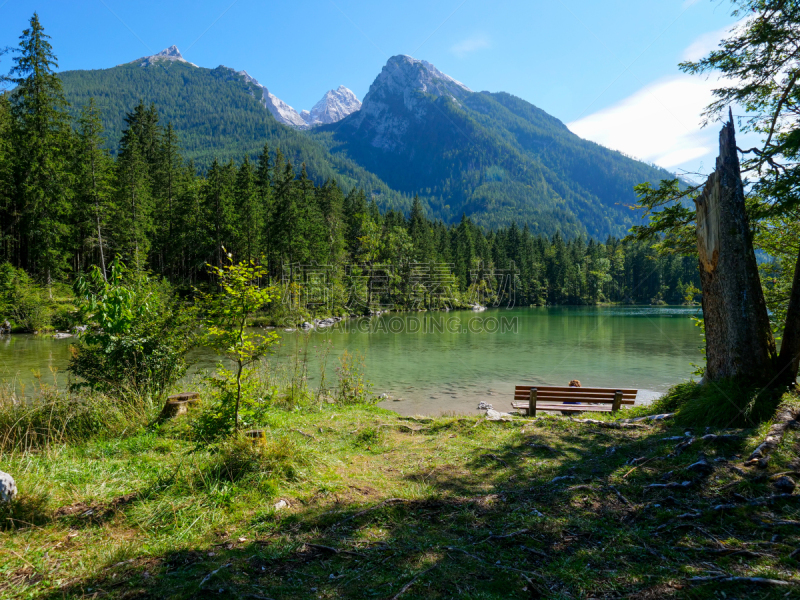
(532, 398)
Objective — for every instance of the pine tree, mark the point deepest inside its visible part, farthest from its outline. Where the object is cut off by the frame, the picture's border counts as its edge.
(9, 210)
(420, 232)
(249, 214)
(133, 224)
(42, 140)
(168, 185)
(217, 199)
(93, 185)
(265, 197)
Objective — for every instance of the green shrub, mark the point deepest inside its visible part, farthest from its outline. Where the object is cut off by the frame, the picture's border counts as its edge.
(137, 338)
(23, 303)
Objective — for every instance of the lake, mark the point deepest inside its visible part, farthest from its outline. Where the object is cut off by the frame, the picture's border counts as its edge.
(429, 363)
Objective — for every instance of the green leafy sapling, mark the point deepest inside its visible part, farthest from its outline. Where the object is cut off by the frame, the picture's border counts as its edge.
(227, 313)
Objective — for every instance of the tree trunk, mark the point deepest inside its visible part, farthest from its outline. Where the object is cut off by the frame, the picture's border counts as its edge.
(739, 342)
(790, 343)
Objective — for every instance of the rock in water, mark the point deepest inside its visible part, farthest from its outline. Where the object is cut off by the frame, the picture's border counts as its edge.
(8, 489)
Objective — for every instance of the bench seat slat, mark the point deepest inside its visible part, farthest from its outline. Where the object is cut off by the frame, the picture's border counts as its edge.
(564, 407)
(550, 388)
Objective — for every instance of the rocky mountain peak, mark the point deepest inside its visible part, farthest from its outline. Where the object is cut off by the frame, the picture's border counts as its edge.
(171, 54)
(403, 74)
(402, 94)
(334, 106)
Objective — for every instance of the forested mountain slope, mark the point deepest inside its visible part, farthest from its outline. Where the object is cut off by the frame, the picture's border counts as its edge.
(492, 156)
(217, 113)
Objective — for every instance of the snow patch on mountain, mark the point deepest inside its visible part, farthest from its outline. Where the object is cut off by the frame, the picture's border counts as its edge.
(171, 54)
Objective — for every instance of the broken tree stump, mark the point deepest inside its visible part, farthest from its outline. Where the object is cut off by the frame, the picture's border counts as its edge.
(179, 404)
(739, 341)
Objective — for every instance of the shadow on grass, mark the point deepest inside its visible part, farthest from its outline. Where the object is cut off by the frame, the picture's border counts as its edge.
(558, 510)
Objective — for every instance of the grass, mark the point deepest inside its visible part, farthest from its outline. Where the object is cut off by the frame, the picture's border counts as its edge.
(381, 505)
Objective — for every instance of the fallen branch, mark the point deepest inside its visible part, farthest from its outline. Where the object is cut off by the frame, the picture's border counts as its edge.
(501, 537)
(730, 506)
(406, 587)
(621, 497)
(214, 572)
(495, 457)
(371, 508)
(723, 551)
(335, 550)
(535, 551)
(711, 437)
(783, 419)
(303, 433)
(671, 485)
(497, 566)
(774, 498)
(729, 579)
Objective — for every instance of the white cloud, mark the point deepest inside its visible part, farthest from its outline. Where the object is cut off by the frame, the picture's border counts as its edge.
(470, 45)
(660, 123)
(705, 43)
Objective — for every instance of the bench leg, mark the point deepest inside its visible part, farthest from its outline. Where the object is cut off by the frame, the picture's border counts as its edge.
(617, 402)
(532, 403)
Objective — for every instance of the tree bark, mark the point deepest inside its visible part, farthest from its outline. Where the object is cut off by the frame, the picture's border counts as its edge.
(789, 358)
(739, 341)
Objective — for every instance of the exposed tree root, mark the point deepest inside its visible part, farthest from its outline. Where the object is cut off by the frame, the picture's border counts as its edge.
(663, 417)
(783, 420)
(610, 424)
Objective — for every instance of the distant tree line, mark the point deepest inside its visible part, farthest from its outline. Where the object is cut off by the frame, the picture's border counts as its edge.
(66, 204)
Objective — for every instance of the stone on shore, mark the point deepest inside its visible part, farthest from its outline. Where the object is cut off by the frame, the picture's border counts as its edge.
(8, 488)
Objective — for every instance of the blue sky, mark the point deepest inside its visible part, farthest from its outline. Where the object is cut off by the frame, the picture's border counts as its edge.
(608, 69)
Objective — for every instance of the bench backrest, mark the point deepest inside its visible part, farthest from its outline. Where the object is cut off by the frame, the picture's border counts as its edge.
(573, 394)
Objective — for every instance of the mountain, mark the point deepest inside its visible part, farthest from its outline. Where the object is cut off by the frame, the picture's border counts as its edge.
(282, 112)
(334, 106)
(218, 113)
(170, 54)
(492, 156)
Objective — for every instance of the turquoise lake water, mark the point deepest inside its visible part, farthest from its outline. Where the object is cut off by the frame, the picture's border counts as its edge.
(429, 363)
